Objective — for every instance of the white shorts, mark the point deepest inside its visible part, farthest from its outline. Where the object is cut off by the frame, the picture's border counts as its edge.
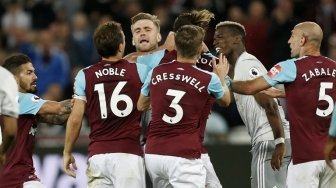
(177, 172)
(117, 170)
(33, 184)
(211, 180)
(314, 174)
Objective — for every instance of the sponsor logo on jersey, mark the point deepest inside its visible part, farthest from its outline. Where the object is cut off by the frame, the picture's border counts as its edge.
(274, 71)
(254, 72)
(35, 98)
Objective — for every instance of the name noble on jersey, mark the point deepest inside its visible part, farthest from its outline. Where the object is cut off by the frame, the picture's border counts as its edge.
(110, 72)
(180, 77)
(319, 72)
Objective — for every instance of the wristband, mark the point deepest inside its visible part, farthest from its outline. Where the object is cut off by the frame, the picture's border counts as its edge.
(279, 140)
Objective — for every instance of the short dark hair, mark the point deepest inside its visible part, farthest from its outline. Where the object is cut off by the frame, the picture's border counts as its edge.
(200, 18)
(107, 38)
(234, 27)
(188, 39)
(146, 16)
(14, 61)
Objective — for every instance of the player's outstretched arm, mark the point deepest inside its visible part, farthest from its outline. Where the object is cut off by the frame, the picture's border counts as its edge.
(250, 87)
(55, 113)
(275, 93)
(73, 127)
(274, 119)
(328, 150)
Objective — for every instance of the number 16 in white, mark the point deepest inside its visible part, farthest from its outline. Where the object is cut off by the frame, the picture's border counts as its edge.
(115, 98)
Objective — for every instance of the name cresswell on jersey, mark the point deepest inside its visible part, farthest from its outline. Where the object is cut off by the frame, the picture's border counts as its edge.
(180, 77)
(274, 71)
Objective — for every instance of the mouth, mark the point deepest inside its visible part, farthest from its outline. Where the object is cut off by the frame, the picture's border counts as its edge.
(34, 84)
(144, 41)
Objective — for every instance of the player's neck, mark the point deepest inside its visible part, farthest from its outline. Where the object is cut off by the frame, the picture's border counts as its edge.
(235, 55)
(186, 60)
(311, 50)
(112, 58)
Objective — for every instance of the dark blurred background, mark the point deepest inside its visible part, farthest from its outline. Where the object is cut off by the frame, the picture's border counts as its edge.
(57, 35)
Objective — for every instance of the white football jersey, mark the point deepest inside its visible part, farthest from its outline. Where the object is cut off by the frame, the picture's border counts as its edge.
(253, 115)
(9, 95)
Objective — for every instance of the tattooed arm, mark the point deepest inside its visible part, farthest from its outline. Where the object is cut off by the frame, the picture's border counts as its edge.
(55, 112)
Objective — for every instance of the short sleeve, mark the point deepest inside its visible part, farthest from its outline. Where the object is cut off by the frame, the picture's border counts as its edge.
(145, 86)
(282, 72)
(142, 71)
(9, 97)
(30, 103)
(79, 86)
(215, 87)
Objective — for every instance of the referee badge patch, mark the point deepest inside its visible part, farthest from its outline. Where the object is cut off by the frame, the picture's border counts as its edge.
(254, 72)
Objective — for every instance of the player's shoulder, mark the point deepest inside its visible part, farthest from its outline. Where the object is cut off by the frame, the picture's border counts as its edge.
(245, 56)
(28, 98)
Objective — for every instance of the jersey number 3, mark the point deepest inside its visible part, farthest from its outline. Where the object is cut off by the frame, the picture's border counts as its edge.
(323, 96)
(115, 98)
(174, 104)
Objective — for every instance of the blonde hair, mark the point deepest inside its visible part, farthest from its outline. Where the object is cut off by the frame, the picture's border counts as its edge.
(146, 16)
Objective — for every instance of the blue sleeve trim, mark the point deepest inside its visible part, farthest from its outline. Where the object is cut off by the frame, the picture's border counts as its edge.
(145, 86)
(282, 72)
(142, 71)
(215, 87)
(80, 84)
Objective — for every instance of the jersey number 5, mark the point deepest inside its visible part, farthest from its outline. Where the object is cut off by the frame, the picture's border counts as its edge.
(323, 96)
(174, 104)
(115, 98)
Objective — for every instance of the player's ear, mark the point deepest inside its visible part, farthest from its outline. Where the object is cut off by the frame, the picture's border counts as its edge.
(158, 37)
(304, 40)
(121, 47)
(133, 43)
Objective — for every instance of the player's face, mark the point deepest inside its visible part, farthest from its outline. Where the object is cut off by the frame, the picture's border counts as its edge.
(223, 41)
(146, 35)
(295, 42)
(27, 78)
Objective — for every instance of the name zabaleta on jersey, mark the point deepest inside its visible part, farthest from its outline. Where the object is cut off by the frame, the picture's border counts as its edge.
(180, 77)
(319, 72)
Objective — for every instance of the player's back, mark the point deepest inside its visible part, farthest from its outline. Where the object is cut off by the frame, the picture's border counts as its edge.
(178, 96)
(310, 101)
(112, 91)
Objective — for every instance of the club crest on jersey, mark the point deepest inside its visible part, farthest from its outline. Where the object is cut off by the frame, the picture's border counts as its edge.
(35, 98)
(274, 71)
(254, 72)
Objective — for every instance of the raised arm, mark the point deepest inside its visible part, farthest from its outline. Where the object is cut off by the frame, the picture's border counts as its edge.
(274, 119)
(73, 127)
(221, 69)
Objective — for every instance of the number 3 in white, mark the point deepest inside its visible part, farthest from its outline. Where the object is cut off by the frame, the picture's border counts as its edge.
(323, 96)
(115, 98)
(174, 104)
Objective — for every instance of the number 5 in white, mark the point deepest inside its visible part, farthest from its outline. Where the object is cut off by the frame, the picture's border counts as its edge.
(174, 104)
(323, 96)
(115, 98)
